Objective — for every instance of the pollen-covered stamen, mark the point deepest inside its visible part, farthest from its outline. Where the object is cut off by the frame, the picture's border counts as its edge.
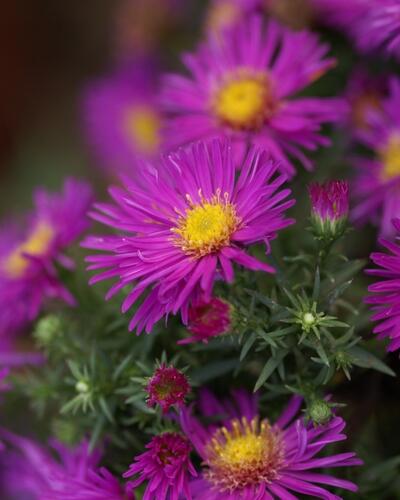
(390, 156)
(208, 226)
(143, 126)
(245, 453)
(244, 101)
(36, 245)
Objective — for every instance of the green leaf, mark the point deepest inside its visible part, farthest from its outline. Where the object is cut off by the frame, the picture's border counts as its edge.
(247, 346)
(365, 359)
(269, 367)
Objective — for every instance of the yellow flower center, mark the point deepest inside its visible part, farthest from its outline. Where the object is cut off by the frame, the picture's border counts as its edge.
(207, 227)
(221, 15)
(247, 453)
(244, 102)
(143, 126)
(390, 157)
(36, 245)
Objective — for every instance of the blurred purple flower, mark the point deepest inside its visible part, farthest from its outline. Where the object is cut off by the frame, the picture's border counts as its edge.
(386, 293)
(30, 469)
(244, 84)
(248, 457)
(121, 117)
(377, 185)
(29, 252)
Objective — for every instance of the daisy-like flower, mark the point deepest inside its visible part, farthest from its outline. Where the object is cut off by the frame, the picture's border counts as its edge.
(243, 84)
(379, 28)
(33, 471)
(121, 117)
(246, 456)
(208, 319)
(29, 252)
(377, 185)
(330, 208)
(188, 220)
(166, 466)
(386, 293)
(167, 387)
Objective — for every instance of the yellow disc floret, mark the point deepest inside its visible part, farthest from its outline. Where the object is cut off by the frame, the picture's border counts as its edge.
(36, 245)
(143, 126)
(247, 453)
(207, 227)
(244, 101)
(390, 157)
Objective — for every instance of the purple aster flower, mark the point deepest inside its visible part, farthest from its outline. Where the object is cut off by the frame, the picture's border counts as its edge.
(208, 319)
(245, 456)
(244, 85)
(330, 208)
(29, 252)
(31, 469)
(386, 293)
(364, 94)
(189, 223)
(377, 185)
(166, 466)
(121, 117)
(167, 387)
(379, 28)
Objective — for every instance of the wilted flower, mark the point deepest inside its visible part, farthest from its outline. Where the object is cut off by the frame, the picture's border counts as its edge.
(122, 120)
(166, 466)
(187, 220)
(377, 185)
(244, 84)
(330, 208)
(208, 319)
(245, 456)
(29, 252)
(386, 293)
(32, 470)
(167, 387)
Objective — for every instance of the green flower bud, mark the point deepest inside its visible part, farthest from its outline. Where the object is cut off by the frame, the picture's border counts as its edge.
(320, 411)
(47, 329)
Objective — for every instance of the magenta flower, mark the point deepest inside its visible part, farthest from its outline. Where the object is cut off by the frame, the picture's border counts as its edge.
(386, 293)
(245, 456)
(208, 319)
(243, 85)
(342, 14)
(364, 94)
(377, 185)
(379, 28)
(167, 387)
(166, 466)
(32, 470)
(121, 117)
(29, 252)
(330, 207)
(188, 220)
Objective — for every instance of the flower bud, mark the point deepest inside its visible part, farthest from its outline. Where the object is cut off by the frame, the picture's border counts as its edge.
(47, 329)
(168, 386)
(330, 208)
(320, 411)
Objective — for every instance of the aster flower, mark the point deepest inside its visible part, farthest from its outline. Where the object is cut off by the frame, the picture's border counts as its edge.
(167, 387)
(31, 469)
(364, 94)
(208, 319)
(385, 297)
(29, 252)
(122, 121)
(244, 84)
(166, 466)
(377, 185)
(330, 208)
(245, 456)
(379, 28)
(191, 220)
